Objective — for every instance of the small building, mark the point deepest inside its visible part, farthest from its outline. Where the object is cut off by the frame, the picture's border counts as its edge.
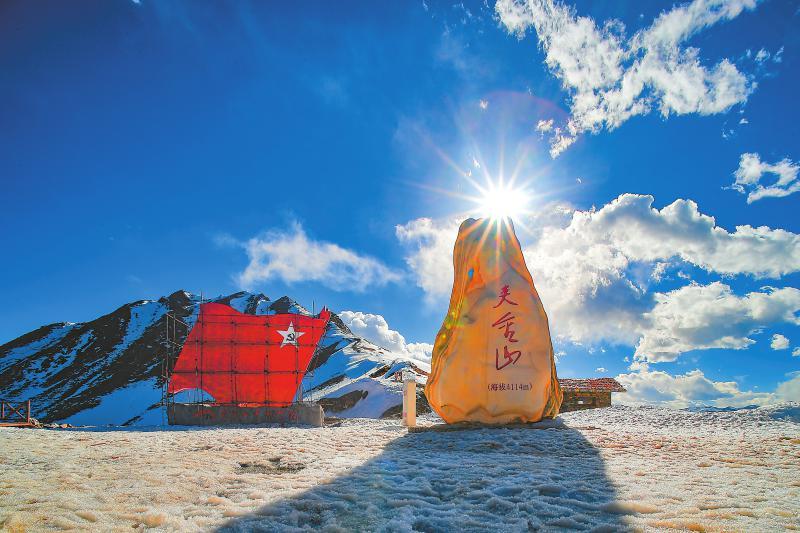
(587, 393)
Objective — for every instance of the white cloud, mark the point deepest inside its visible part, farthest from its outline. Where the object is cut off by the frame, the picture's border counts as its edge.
(762, 55)
(484, 105)
(633, 228)
(796, 352)
(601, 370)
(701, 317)
(789, 391)
(678, 391)
(694, 388)
(751, 170)
(779, 342)
(611, 77)
(431, 254)
(582, 262)
(582, 266)
(375, 328)
(293, 257)
(543, 126)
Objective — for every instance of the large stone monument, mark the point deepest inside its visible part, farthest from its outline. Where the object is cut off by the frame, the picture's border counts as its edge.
(493, 358)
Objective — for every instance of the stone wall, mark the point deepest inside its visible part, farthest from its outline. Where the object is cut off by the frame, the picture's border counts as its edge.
(184, 414)
(577, 400)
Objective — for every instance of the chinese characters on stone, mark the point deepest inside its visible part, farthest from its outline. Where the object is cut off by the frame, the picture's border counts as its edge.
(505, 323)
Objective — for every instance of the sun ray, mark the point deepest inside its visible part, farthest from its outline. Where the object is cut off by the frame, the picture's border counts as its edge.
(500, 189)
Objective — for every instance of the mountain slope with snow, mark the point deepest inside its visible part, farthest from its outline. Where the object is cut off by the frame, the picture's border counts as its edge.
(110, 370)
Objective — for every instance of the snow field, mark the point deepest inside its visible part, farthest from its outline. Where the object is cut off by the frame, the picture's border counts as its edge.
(620, 468)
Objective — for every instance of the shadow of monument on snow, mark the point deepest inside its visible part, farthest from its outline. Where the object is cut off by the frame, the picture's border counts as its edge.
(478, 479)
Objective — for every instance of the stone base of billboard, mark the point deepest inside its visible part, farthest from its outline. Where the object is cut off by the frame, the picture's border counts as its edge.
(547, 423)
(185, 414)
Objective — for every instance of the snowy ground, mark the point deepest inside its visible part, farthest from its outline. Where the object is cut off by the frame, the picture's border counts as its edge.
(608, 469)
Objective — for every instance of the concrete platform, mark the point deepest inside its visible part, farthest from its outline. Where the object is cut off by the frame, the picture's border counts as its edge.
(550, 423)
(184, 414)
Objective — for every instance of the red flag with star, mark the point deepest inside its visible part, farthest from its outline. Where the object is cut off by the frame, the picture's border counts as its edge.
(247, 359)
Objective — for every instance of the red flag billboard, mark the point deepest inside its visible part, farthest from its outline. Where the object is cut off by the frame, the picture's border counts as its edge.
(243, 359)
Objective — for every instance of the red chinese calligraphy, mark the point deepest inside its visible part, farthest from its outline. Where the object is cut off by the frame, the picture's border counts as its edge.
(504, 293)
(505, 323)
(509, 358)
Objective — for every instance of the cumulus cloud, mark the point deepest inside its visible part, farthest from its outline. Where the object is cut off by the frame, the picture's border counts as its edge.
(789, 391)
(701, 317)
(582, 266)
(779, 342)
(611, 77)
(292, 257)
(375, 328)
(695, 388)
(643, 233)
(582, 261)
(796, 352)
(751, 171)
(655, 386)
(430, 255)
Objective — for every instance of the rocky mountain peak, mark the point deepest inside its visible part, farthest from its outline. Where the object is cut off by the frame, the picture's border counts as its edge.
(284, 304)
(177, 299)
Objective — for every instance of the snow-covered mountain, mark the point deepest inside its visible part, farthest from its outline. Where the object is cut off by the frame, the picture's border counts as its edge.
(108, 371)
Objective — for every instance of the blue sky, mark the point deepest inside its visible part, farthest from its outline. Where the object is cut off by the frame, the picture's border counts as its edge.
(153, 146)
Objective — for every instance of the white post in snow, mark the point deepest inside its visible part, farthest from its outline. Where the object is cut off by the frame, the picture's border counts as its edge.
(409, 399)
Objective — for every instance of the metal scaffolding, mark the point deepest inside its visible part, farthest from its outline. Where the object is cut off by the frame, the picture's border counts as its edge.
(237, 355)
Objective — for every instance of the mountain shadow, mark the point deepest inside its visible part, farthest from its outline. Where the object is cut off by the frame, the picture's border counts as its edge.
(503, 479)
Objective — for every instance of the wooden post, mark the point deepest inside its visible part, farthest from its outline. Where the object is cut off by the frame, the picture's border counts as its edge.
(28, 412)
(409, 399)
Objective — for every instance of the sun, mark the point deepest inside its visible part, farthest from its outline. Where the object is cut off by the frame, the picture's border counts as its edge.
(499, 201)
(509, 194)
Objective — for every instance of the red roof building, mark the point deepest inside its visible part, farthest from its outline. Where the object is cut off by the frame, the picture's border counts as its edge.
(587, 393)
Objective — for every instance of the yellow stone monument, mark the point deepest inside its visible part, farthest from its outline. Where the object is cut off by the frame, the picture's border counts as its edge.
(493, 358)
